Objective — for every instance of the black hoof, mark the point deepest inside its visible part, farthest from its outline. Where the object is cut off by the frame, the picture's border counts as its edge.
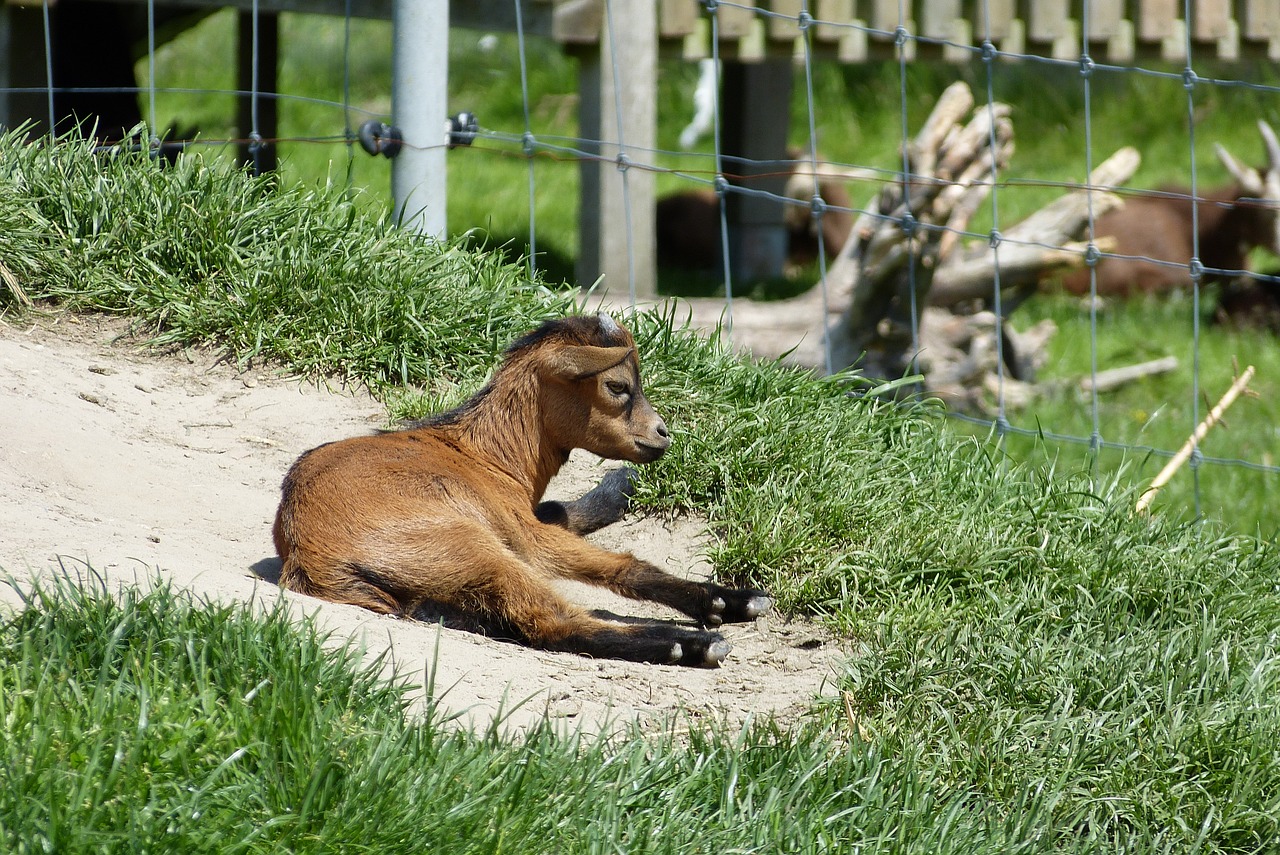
(659, 643)
(730, 605)
(702, 649)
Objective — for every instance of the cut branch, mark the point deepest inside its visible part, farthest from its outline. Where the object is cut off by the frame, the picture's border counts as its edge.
(1195, 439)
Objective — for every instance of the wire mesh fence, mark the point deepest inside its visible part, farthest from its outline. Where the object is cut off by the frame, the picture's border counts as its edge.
(1191, 57)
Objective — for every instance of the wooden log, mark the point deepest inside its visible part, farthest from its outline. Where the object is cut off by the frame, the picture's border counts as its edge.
(862, 314)
(1113, 378)
(1043, 242)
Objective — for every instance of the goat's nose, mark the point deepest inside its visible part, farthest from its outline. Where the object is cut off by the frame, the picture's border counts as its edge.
(662, 429)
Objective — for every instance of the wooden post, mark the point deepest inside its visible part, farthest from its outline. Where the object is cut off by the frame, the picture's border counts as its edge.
(756, 108)
(267, 124)
(22, 66)
(615, 218)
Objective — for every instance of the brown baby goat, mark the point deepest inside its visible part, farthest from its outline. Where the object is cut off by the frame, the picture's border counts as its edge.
(446, 512)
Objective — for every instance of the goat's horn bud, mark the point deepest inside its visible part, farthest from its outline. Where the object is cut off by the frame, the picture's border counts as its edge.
(1273, 147)
(608, 325)
(1247, 177)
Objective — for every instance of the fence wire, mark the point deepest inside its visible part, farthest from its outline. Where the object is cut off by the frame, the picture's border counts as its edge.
(721, 172)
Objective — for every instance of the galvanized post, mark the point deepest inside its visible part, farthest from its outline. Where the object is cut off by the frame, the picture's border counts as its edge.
(419, 107)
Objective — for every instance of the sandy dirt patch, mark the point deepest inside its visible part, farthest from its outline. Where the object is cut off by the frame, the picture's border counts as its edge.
(136, 462)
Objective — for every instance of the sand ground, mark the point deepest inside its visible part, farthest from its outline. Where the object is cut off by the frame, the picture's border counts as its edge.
(139, 463)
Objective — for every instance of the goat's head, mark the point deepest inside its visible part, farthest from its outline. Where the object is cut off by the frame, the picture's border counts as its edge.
(592, 397)
(1261, 191)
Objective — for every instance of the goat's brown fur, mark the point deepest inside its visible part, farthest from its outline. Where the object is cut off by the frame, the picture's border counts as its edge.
(1159, 228)
(446, 512)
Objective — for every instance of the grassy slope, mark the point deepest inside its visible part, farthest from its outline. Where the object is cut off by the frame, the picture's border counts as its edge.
(159, 725)
(1037, 667)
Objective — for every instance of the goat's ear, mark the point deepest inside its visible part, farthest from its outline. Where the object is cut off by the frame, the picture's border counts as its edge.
(574, 362)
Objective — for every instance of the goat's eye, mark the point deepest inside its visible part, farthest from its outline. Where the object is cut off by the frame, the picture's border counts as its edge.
(618, 388)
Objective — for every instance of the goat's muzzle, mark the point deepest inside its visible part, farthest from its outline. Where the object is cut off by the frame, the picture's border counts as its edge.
(653, 446)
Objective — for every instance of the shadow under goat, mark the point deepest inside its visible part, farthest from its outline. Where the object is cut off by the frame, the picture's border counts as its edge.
(1154, 233)
(447, 513)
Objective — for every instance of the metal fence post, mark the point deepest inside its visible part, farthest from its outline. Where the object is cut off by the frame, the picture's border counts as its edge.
(419, 106)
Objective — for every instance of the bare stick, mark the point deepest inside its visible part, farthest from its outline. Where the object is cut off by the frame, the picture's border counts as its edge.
(1113, 377)
(1201, 429)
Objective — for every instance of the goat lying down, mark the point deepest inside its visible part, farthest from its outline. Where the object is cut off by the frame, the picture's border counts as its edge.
(446, 512)
(1153, 234)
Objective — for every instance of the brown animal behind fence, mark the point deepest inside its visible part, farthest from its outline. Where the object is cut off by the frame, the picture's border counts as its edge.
(446, 513)
(1230, 222)
(687, 223)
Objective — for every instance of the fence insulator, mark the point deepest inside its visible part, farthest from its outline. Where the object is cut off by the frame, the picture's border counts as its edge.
(379, 138)
(463, 129)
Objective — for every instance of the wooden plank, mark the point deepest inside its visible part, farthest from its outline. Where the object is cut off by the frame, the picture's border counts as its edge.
(834, 12)
(1047, 20)
(853, 47)
(1211, 20)
(784, 23)
(735, 21)
(678, 18)
(1156, 19)
(1174, 48)
(937, 18)
(994, 19)
(1105, 19)
(1121, 47)
(474, 14)
(959, 41)
(1262, 24)
(886, 15)
(1261, 20)
(577, 21)
(753, 46)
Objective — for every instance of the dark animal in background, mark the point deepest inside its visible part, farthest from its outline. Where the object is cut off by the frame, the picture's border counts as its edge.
(1250, 302)
(687, 231)
(837, 218)
(446, 512)
(688, 223)
(1232, 220)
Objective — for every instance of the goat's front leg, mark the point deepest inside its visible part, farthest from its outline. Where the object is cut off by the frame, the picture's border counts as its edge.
(569, 556)
(604, 505)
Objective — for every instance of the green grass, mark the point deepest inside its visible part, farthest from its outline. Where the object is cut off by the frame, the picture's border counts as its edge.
(153, 723)
(1157, 413)
(1035, 668)
(156, 723)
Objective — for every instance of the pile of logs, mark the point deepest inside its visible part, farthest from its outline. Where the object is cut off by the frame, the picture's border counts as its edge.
(904, 260)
